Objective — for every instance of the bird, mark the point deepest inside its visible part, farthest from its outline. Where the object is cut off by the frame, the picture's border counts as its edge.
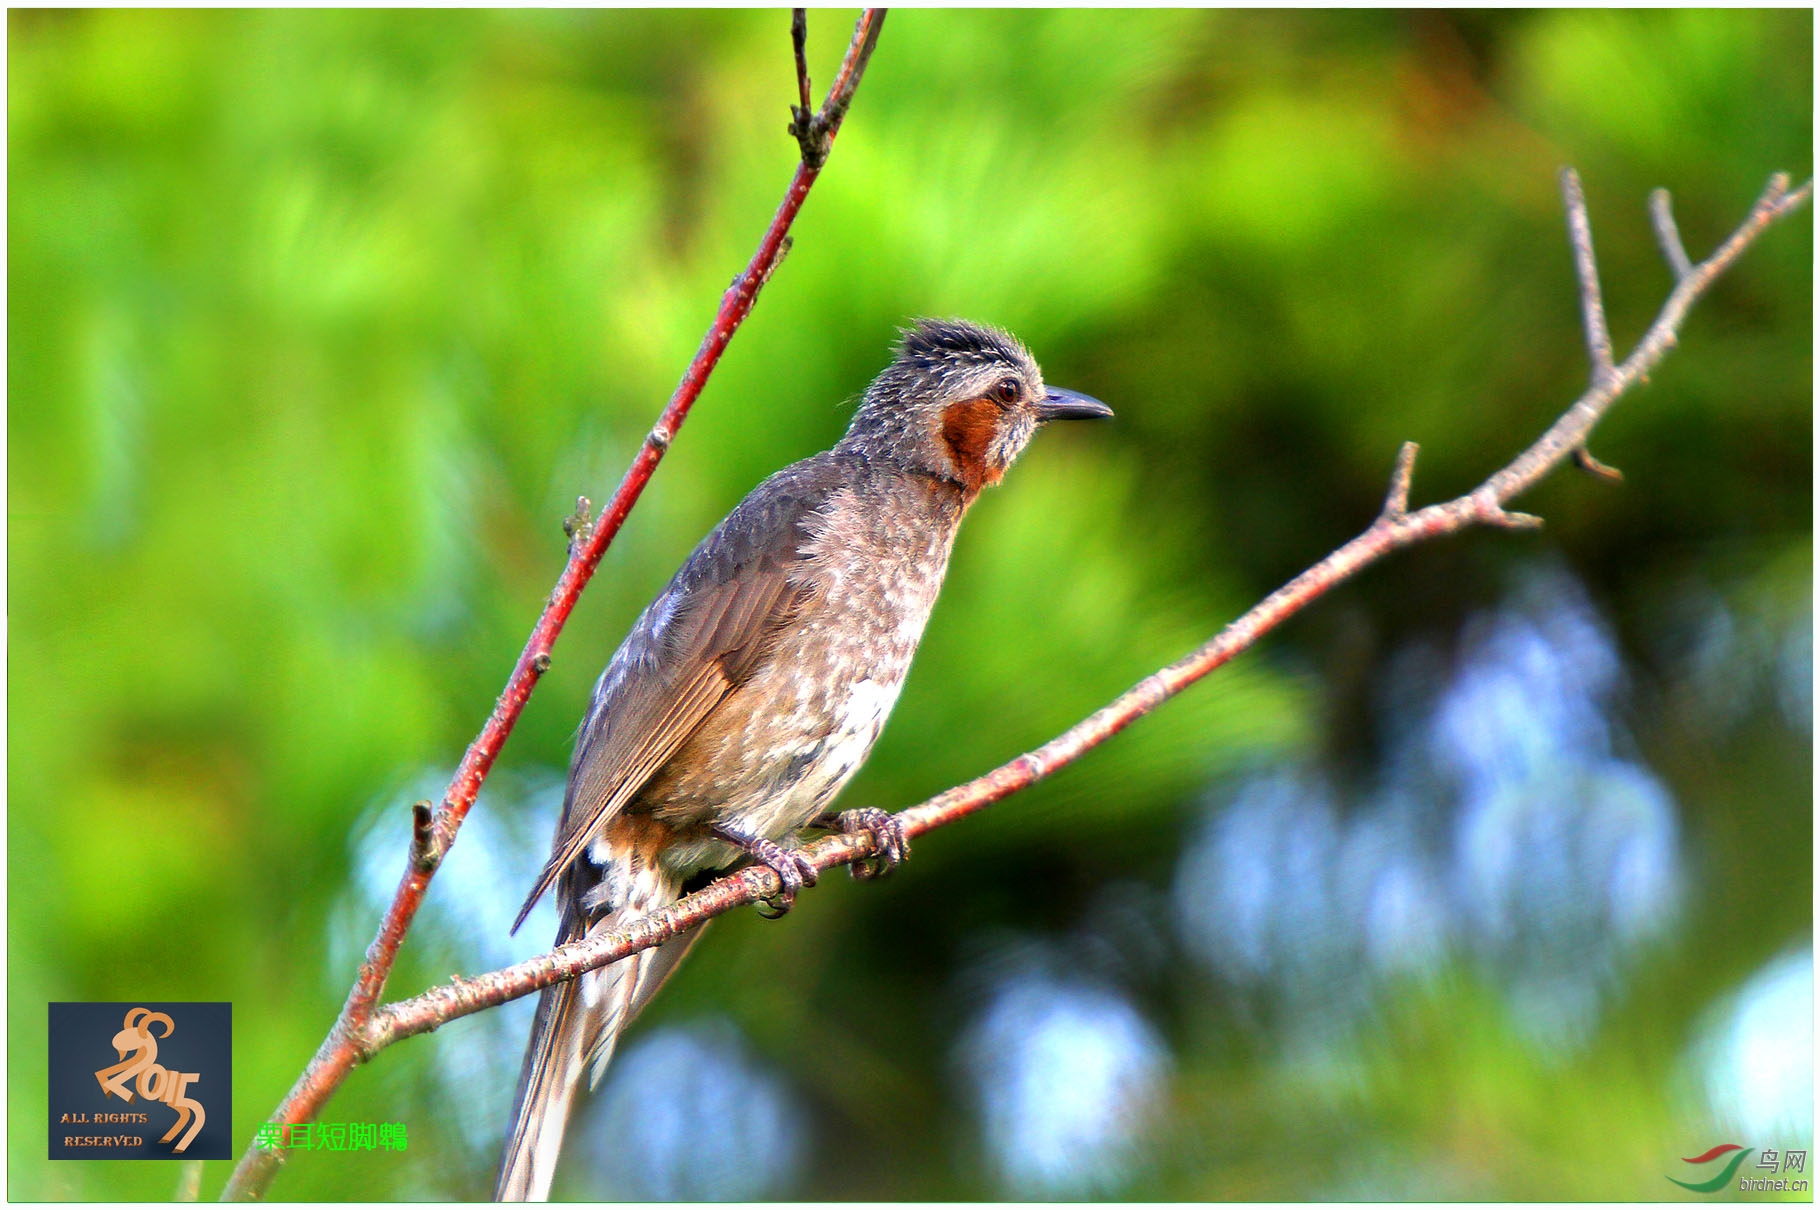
(754, 686)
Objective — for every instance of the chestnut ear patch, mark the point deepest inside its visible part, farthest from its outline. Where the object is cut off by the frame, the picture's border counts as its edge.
(968, 429)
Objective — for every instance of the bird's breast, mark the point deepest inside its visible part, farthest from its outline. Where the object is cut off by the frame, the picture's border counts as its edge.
(781, 747)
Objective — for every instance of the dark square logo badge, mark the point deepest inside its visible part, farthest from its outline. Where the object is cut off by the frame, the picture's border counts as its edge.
(145, 1080)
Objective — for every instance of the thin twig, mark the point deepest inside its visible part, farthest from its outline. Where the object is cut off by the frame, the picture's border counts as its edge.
(1394, 529)
(1668, 236)
(340, 1050)
(799, 39)
(846, 81)
(1585, 461)
(815, 131)
(1396, 500)
(1586, 268)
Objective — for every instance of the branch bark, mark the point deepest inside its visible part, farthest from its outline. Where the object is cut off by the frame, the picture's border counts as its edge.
(1395, 528)
(433, 834)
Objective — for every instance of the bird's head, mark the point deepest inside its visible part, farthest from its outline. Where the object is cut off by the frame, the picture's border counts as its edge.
(960, 401)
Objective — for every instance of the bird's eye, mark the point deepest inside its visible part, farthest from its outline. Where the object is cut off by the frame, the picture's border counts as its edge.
(1007, 390)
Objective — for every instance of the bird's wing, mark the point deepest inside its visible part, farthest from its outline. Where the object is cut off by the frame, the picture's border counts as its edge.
(700, 640)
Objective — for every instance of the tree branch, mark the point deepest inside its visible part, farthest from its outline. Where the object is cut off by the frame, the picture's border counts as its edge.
(1394, 529)
(799, 41)
(1668, 236)
(1586, 268)
(815, 131)
(432, 835)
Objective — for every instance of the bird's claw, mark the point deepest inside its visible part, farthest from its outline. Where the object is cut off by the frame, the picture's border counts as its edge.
(887, 832)
(794, 872)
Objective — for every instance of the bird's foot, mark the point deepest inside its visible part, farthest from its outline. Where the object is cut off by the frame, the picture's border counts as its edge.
(887, 832)
(794, 871)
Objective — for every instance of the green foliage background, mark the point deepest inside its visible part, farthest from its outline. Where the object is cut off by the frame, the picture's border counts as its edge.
(320, 321)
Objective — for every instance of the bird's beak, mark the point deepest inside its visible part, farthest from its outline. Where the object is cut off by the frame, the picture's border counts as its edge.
(1070, 405)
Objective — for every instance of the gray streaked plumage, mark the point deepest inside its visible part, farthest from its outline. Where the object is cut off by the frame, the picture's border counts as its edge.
(754, 686)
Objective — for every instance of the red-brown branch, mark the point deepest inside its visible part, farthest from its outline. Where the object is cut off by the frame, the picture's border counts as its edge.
(1395, 527)
(340, 1050)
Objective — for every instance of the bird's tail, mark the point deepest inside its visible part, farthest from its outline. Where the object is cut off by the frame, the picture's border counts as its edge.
(577, 1025)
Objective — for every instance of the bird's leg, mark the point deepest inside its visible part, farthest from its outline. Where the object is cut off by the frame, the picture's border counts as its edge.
(793, 870)
(886, 830)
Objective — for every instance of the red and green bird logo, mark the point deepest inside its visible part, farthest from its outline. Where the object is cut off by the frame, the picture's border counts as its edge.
(1724, 1178)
